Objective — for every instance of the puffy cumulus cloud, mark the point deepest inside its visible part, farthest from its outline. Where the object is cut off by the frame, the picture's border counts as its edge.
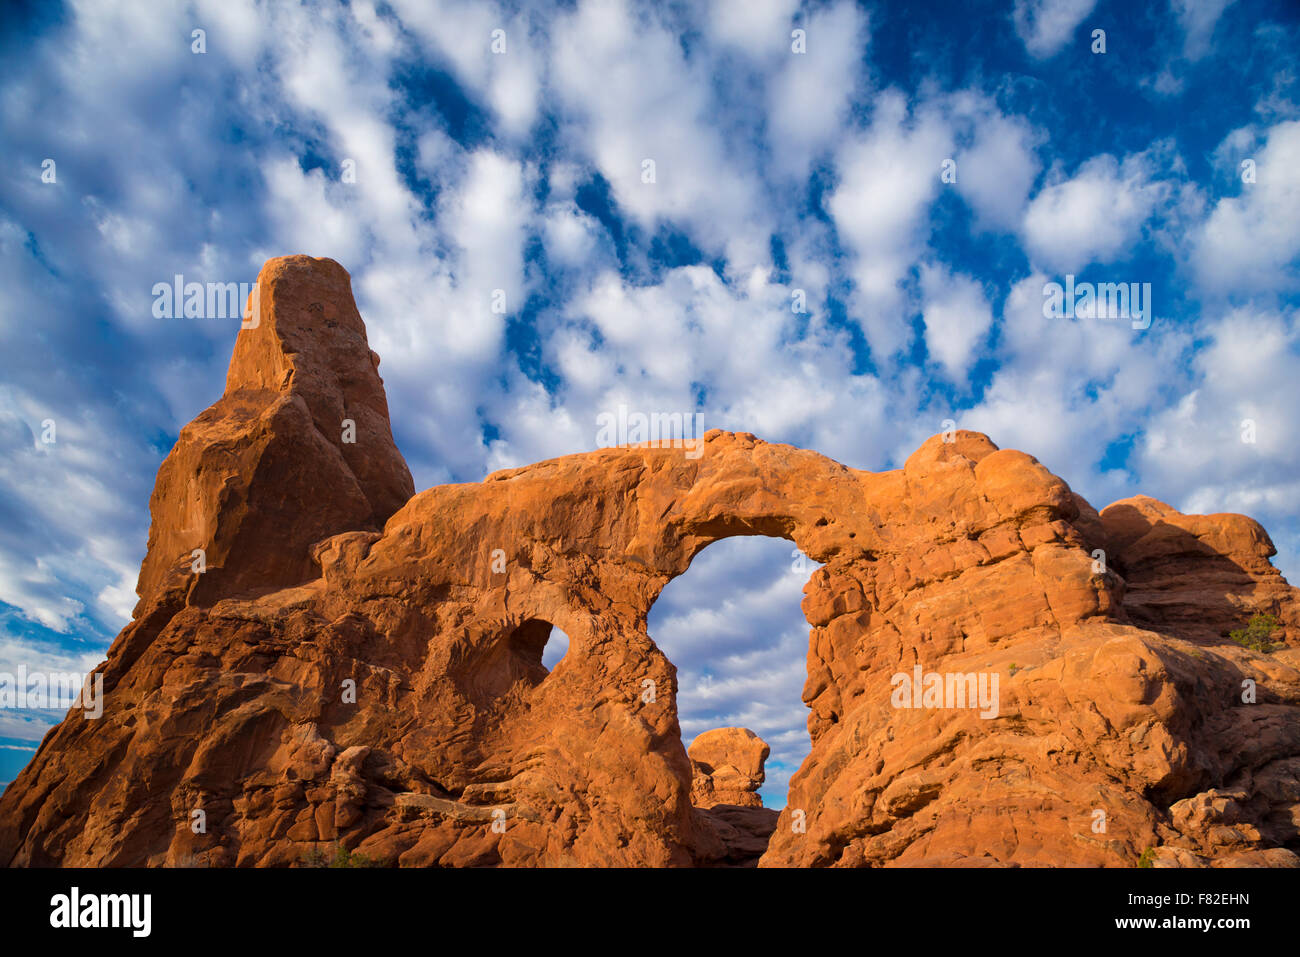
(653, 104)
(1094, 216)
(733, 626)
(997, 162)
(236, 29)
(891, 174)
(499, 55)
(889, 178)
(573, 239)
(810, 94)
(1116, 377)
(1249, 243)
(1242, 387)
(734, 351)
(957, 318)
(312, 213)
(756, 26)
(486, 220)
(1046, 26)
(1233, 150)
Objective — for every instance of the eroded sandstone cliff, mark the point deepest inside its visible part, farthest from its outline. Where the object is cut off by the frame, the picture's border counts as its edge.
(360, 664)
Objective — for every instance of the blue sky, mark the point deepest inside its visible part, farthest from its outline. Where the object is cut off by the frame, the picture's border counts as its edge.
(775, 171)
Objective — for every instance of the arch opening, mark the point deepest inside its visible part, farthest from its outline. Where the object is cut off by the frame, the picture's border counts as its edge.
(733, 625)
(557, 646)
(531, 651)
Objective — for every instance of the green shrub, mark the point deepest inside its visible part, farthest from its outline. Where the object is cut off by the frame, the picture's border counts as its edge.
(1148, 858)
(1257, 633)
(342, 858)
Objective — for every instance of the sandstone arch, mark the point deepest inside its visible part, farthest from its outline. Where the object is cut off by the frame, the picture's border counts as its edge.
(224, 692)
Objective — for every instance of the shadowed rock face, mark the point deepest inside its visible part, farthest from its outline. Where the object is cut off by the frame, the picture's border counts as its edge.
(362, 665)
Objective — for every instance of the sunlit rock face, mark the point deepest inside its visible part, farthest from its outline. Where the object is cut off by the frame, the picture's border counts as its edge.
(727, 767)
(997, 674)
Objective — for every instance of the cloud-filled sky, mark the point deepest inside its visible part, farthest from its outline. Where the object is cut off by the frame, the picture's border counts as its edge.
(853, 215)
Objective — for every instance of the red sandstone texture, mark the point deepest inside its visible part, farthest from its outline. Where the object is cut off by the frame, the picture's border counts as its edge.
(362, 665)
(727, 767)
(727, 771)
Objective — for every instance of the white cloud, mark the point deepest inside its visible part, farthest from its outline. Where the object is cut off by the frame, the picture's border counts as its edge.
(1046, 26)
(890, 176)
(313, 214)
(1095, 216)
(1198, 18)
(957, 317)
(486, 219)
(1250, 242)
(757, 26)
(1194, 447)
(997, 170)
(462, 34)
(572, 237)
(652, 103)
(810, 93)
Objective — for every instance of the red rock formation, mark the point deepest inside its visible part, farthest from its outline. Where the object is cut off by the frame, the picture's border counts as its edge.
(297, 449)
(1197, 576)
(331, 679)
(727, 767)
(727, 771)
